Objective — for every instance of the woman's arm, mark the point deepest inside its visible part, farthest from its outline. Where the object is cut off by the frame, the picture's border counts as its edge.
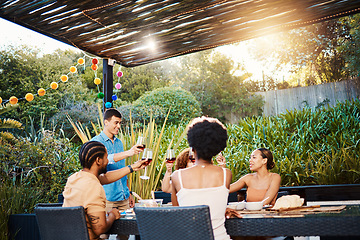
(239, 184)
(100, 223)
(175, 182)
(166, 182)
(115, 175)
(273, 188)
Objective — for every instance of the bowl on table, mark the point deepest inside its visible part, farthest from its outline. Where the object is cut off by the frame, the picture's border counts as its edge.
(254, 205)
(236, 205)
(150, 203)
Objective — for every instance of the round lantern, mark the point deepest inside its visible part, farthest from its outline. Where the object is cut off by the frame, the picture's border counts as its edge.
(94, 67)
(13, 100)
(100, 95)
(95, 61)
(81, 61)
(64, 78)
(54, 85)
(29, 97)
(0, 100)
(114, 97)
(118, 86)
(108, 104)
(73, 69)
(97, 81)
(41, 92)
(119, 73)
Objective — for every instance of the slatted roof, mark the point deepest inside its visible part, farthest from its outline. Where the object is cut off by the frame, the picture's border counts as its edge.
(136, 32)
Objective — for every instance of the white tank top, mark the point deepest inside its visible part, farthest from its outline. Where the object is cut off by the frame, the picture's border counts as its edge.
(215, 197)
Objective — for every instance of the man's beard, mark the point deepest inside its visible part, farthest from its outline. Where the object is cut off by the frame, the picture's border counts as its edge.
(103, 170)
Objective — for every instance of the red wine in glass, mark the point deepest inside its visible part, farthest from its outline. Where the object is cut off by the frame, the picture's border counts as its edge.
(191, 155)
(170, 160)
(142, 146)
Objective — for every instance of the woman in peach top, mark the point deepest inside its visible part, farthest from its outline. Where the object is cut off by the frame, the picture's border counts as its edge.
(261, 184)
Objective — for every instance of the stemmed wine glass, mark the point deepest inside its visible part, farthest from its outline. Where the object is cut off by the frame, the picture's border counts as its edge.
(141, 141)
(191, 155)
(147, 154)
(170, 155)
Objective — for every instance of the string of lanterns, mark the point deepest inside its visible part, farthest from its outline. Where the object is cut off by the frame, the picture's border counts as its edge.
(64, 78)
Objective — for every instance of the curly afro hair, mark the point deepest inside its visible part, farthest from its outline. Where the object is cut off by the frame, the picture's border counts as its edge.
(208, 136)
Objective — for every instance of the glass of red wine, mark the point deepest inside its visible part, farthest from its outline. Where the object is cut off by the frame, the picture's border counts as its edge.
(170, 156)
(191, 155)
(147, 154)
(141, 141)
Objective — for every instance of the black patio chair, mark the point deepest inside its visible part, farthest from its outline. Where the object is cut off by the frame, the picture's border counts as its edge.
(61, 223)
(175, 223)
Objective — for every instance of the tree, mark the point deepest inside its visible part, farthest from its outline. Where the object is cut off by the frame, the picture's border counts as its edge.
(318, 53)
(209, 76)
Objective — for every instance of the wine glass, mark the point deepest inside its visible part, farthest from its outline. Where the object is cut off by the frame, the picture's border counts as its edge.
(191, 155)
(170, 155)
(147, 155)
(141, 141)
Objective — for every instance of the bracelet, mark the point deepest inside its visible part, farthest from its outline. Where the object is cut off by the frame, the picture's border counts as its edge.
(131, 169)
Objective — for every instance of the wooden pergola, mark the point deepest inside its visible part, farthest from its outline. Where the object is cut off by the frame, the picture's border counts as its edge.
(136, 32)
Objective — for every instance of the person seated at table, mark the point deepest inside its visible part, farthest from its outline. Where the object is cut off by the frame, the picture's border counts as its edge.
(182, 161)
(84, 188)
(205, 183)
(261, 184)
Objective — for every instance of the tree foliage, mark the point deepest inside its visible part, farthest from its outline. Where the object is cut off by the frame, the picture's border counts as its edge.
(318, 53)
(209, 76)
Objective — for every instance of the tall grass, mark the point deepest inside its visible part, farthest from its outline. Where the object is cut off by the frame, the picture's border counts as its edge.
(13, 200)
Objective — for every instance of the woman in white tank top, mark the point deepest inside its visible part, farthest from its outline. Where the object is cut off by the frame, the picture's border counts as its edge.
(205, 183)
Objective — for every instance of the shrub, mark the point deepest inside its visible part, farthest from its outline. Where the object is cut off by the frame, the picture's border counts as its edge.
(182, 104)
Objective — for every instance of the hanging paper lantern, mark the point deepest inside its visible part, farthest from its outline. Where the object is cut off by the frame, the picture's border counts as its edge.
(119, 73)
(118, 86)
(41, 92)
(114, 97)
(0, 100)
(108, 104)
(73, 69)
(97, 81)
(100, 95)
(54, 85)
(95, 61)
(13, 100)
(94, 67)
(64, 78)
(81, 61)
(29, 97)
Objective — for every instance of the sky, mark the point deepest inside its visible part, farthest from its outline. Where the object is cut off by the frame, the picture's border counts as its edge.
(13, 34)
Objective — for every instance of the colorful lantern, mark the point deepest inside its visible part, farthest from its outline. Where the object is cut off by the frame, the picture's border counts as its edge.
(118, 86)
(94, 67)
(41, 92)
(108, 104)
(13, 100)
(114, 97)
(95, 61)
(81, 61)
(54, 85)
(97, 81)
(29, 97)
(0, 100)
(64, 78)
(73, 69)
(119, 73)
(100, 95)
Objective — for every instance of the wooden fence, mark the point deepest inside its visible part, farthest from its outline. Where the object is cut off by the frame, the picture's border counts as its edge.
(278, 101)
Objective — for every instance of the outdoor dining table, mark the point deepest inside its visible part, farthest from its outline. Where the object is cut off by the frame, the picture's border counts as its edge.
(345, 222)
